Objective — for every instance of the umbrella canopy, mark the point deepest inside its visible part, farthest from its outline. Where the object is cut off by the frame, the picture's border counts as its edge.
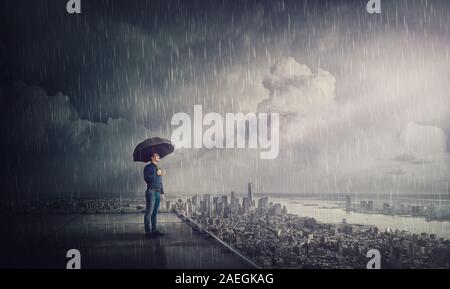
(145, 149)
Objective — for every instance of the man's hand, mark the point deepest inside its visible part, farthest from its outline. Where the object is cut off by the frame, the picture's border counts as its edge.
(159, 172)
(162, 197)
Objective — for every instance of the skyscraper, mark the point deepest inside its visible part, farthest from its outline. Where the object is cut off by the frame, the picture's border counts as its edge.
(364, 205)
(348, 203)
(232, 201)
(207, 199)
(370, 205)
(246, 203)
(250, 194)
(263, 203)
(225, 201)
(196, 200)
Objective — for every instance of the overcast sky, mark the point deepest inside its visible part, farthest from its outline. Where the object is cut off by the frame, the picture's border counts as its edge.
(364, 100)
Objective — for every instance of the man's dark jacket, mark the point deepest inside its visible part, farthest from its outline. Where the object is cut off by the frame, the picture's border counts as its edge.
(152, 179)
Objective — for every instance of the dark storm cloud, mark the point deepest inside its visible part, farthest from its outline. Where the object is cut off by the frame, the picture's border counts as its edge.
(114, 52)
(69, 79)
(116, 55)
(48, 147)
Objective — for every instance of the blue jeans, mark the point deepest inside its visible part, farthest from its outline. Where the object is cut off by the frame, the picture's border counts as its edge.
(152, 199)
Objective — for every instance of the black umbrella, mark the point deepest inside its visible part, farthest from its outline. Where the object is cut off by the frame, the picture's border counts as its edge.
(145, 149)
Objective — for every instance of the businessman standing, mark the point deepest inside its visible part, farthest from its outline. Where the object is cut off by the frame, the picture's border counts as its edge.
(153, 195)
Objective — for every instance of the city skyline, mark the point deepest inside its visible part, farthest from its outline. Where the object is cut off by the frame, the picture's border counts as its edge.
(290, 241)
(284, 239)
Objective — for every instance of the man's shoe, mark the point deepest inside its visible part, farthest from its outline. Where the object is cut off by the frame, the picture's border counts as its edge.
(158, 233)
(149, 235)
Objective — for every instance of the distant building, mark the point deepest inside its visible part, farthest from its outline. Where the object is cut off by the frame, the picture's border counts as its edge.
(233, 201)
(225, 201)
(246, 203)
(346, 228)
(370, 206)
(276, 210)
(348, 203)
(227, 213)
(196, 200)
(364, 206)
(263, 203)
(210, 211)
(219, 209)
(250, 193)
(203, 208)
(216, 206)
(189, 207)
(207, 200)
(431, 212)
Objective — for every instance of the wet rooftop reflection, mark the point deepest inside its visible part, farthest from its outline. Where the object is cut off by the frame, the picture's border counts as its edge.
(109, 241)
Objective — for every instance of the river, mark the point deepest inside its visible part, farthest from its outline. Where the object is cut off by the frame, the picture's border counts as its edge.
(331, 212)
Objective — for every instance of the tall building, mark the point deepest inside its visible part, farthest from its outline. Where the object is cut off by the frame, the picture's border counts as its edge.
(207, 199)
(246, 204)
(276, 210)
(219, 209)
(203, 208)
(189, 207)
(263, 203)
(225, 201)
(215, 201)
(348, 203)
(196, 200)
(233, 202)
(227, 212)
(386, 208)
(250, 193)
(370, 205)
(364, 205)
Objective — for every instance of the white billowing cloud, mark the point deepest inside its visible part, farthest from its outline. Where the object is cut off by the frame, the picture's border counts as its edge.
(302, 97)
(295, 89)
(389, 138)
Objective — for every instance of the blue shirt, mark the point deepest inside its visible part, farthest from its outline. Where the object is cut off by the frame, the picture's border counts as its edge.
(152, 179)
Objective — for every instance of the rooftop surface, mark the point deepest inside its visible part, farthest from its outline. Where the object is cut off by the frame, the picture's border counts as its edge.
(109, 241)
